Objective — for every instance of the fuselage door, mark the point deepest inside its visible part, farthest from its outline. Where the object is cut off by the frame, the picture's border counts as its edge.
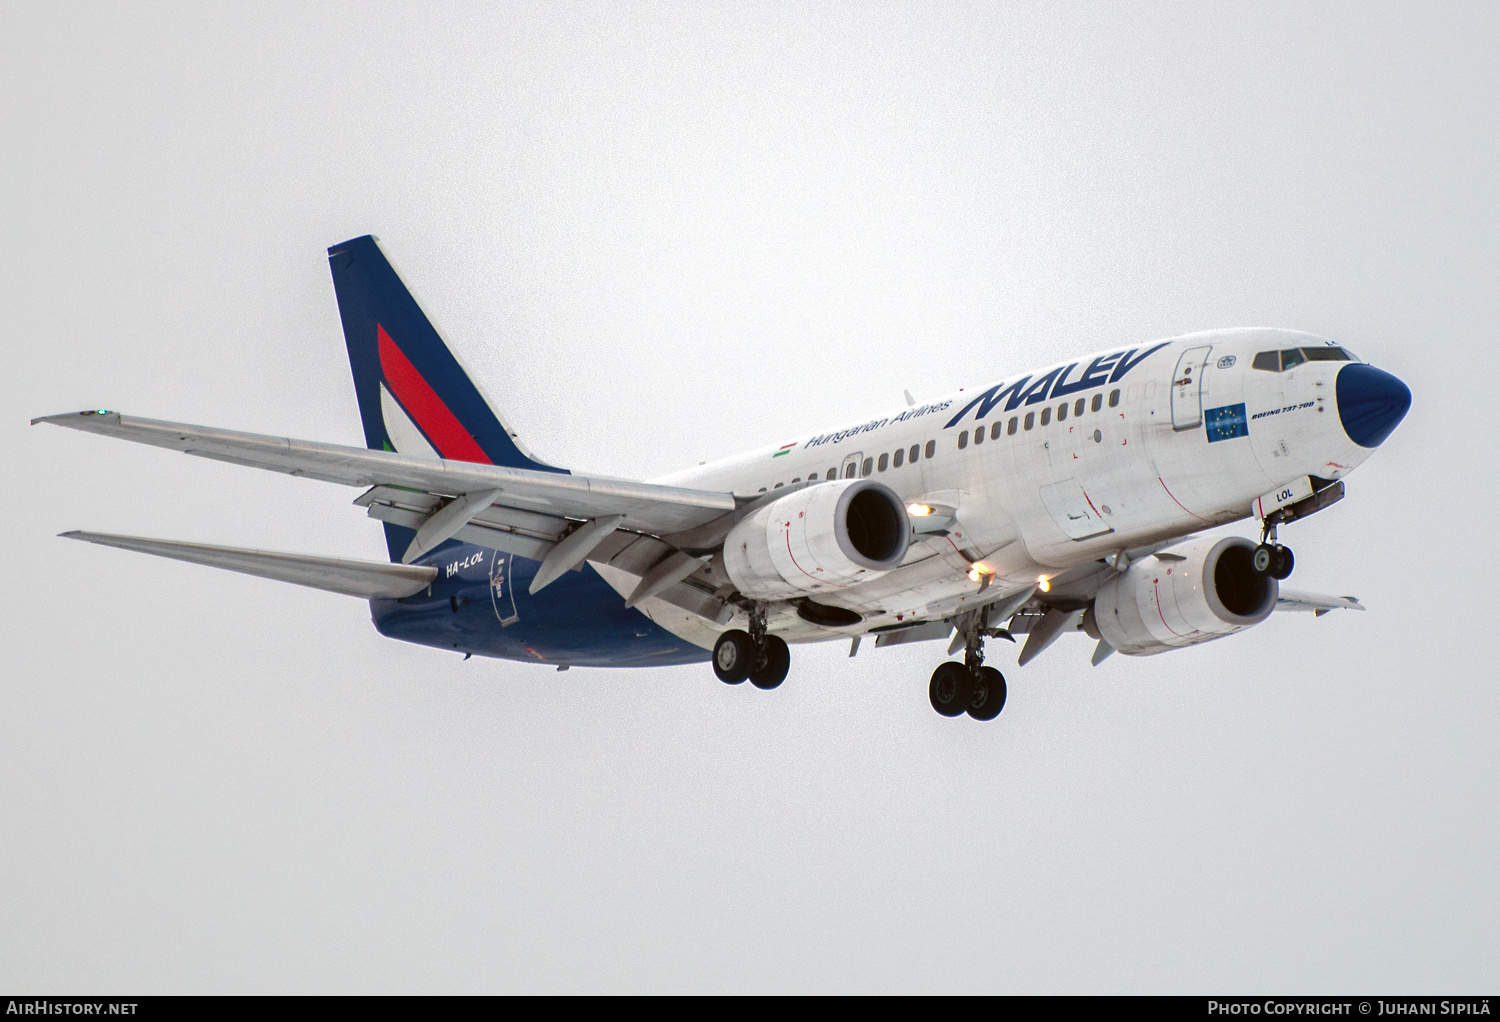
(1187, 388)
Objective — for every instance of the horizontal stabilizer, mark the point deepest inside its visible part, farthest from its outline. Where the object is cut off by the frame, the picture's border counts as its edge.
(369, 580)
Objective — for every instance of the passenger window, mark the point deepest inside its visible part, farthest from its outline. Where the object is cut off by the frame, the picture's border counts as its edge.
(885, 459)
(1097, 403)
(979, 435)
(761, 490)
(832, 473)
(865, 468)
(1029, 419)
(899, 457)
(778, 486)
(849, 470)
(1290, 358)
(911, 455)
(813, 477)
(799, 479)
(1267, 361)
(1114, 398)
(995, 429)
(1046, 416)
(1078, 407)
(1062, 412)
(963, 440)
(931, 448)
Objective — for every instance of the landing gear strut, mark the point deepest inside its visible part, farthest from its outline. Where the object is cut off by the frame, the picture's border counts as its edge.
(1271, 558)
(756, 654)
(969, 687)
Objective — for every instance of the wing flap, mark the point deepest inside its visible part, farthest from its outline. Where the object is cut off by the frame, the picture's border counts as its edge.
(647, 507)
(506, 540)
(547, 527)
(369, 580)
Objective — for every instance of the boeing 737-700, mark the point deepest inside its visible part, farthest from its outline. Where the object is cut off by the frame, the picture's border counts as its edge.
(1074, 497)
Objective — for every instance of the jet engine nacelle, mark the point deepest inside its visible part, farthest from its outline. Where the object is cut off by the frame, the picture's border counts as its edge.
(1158, 604)
(826, 536)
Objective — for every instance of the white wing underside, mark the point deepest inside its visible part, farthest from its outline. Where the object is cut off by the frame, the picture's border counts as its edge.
(1315, 602)
(530, 513)
(648, 508)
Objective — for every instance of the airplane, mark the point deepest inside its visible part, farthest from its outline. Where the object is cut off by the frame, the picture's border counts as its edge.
(1077, 497)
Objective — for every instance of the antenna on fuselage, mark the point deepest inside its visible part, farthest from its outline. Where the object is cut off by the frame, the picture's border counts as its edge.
(910, 401)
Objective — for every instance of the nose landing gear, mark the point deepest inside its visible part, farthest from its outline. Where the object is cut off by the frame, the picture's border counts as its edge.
(1271, 558)
(969, 687)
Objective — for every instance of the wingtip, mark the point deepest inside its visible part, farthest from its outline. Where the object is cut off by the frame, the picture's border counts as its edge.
(69, 418)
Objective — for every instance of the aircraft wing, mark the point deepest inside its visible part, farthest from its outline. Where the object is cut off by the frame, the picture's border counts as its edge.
(1319, 605)
(369, 580)
(645, 507)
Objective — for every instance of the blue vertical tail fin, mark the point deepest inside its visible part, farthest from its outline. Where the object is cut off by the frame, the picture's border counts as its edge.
(414, 396)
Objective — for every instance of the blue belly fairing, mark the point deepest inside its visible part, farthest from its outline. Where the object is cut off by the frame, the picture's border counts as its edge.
(479, 604)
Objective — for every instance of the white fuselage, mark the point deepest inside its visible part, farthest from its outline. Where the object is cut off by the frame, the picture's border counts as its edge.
(1077, 464)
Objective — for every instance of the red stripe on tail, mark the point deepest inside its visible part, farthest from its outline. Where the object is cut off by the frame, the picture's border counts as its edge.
(424, 406)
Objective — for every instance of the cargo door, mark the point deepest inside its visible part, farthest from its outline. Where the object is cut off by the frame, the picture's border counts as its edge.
(1187, 388)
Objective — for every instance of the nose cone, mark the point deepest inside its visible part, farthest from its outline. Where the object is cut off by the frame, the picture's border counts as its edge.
(1372, 403)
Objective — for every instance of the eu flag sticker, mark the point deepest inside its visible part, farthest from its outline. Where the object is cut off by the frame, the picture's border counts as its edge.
(1226, 423)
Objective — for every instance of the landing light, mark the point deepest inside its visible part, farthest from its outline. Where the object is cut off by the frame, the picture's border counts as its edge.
(1044, 583)
(919, 510)
(975, 575)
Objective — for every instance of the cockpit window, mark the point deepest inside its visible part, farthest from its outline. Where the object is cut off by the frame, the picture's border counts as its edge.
(1290, 358)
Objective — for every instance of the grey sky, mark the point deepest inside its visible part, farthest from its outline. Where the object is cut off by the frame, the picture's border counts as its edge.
(664, 234)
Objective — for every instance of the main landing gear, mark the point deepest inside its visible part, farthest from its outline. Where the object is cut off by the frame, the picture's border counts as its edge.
(757, 655)
(969, 687)
(1271, 558)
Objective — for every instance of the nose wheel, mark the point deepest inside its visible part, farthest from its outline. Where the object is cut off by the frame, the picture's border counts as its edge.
(1271, 558)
